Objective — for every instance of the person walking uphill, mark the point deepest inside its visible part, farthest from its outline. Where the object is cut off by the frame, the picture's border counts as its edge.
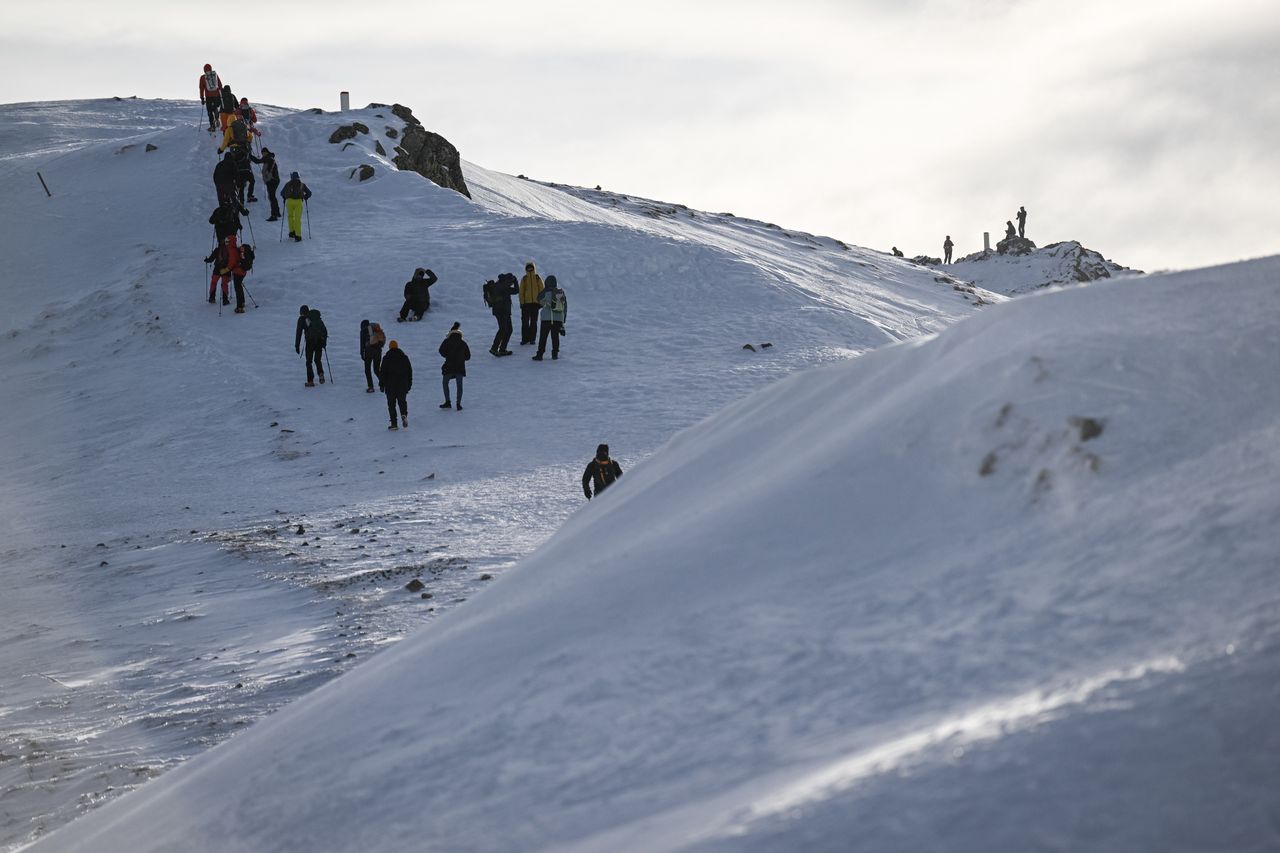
(555, 310)
(417, 294)
(313, 329)
(397, 381)
(456, 354)
(497, 295)
(530, 287)
(224, 181)
(211, 94)
(271, 178)
(227, 106)
(371, 341)
(601, 472)
(226, 263)
(295, 194)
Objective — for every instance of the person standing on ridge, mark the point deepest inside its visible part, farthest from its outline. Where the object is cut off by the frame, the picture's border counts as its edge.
(371, 341)
(1022, 222)
(397, 382)
(417, 294)
(947, 246)
(497, 295)
(227, 106)
(555, 310)
(312, 328)
(530, 287)
(601, 472)
(271, 177)
(295, 193)
(211, 94)
(456, 354)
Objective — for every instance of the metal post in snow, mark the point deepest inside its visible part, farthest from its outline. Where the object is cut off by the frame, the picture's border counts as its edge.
(345, 99)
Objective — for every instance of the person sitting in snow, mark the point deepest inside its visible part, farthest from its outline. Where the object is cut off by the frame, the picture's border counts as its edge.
(417, 295)
(1009, 230)
(601, 472)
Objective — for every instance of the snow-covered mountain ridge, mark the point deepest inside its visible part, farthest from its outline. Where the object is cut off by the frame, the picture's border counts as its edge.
(1054, 265)
(175, 454)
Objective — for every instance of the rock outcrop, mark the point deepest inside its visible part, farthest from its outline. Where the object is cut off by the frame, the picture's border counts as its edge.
(429, 154)
(1020, 271)
(348, 131)
(1015, 246)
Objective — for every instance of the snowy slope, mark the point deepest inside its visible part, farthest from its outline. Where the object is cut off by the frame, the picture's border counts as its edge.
(159, 458)
(1009, 588)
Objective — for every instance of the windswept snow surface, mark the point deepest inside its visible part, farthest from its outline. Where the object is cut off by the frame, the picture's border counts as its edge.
(174, 452)
(1013, 587)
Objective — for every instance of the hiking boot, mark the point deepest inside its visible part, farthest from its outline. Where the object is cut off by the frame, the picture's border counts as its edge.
(310, 384)
(504, 352)
(321, 378)
(538, 357)
(369, 390)
(459, 407)
(446, 405)
(226, 301)
(239, 309)
(554, 356)
(493, 351)
(273, 219)
(393, 426)
(211, 299)
(255, 198)
(297, 238)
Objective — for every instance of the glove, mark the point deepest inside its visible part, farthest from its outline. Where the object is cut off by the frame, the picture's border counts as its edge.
(588, 494)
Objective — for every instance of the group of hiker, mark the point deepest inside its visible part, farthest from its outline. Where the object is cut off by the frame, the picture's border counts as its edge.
(234, 184)
(544, 305)
(1009, 231)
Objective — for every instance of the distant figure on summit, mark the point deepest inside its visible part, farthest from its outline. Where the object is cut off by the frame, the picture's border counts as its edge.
(1022, 222)
(897, 253)
(417, 294)
(211, 94)
(1009, 230)
(947, 246)
(601, 472)
(295, 195)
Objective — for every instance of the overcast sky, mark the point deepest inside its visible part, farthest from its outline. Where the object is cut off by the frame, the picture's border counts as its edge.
(1145, 129)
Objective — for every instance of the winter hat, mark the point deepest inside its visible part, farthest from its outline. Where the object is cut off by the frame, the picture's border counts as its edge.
(244, 101)
(602, 451)
(550, 281)
(302, 312)
(528, 267)
(457, 327)
(293, 176)
(266, 152)
(208, 67)
(364, 323)
(393, 345)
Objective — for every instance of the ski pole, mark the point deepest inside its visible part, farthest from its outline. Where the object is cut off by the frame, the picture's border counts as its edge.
(282, 225)
(253, 241)
(307, 208)
(327, 364)
(248, 294)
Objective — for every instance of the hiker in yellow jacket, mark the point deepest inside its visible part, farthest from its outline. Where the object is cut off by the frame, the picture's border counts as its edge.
(530, 287)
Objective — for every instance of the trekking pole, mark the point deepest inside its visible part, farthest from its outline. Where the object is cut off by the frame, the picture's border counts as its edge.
(250, 295)
(282, 228)
(328, 365)
(253, 241)
(307, 208)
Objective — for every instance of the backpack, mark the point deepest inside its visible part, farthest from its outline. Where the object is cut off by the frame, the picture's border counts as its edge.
(246, 258)
(239, 131)
(211, 82)
(270, 172)
(490, 299)
(228, 102)
(558, 303)
(317, 334)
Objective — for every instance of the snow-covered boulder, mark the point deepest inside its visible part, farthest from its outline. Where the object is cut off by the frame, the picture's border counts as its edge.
(1015, 246)
(429, 154)
(1053, 266)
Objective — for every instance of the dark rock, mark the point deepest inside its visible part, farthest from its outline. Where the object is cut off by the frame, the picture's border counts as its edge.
(988, 465)
(151, 147)
(429, 154)
(392, 133)
(1015, 246)
(103, 563)
(377, 106)
(301, 530)
(365, 170)
(486, 577)
(316, 111)
(925, 260)
(1088, 427)
(749, 346)
(414, 585)
(377, 146)
(239, 685)
(765, 345)
(426, 595)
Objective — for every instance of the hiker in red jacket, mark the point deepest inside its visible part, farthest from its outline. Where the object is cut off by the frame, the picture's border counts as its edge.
(211, 94)
(226, 264)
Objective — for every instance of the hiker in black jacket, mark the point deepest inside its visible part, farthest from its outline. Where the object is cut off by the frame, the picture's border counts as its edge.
(371, 342)
(225, 222)
(313, 329)
(224, 181)
(600, 472)
(397, 381)
(497, 295)
(456, 354)
(271, 178)
(417, 297)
